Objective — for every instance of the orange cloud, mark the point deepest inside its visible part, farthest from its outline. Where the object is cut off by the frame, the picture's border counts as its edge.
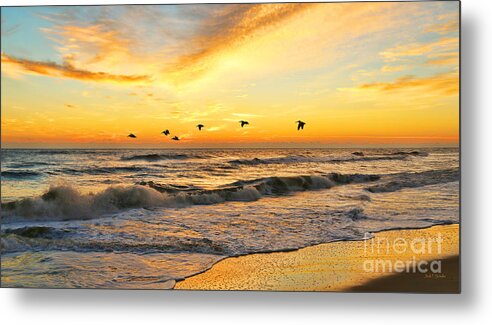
(66, 70)
(447, 84)
(448, 27)
(444, 59)
(230, 27)
(105, 45)
(402, 52)
(389, 68)
(90, 46)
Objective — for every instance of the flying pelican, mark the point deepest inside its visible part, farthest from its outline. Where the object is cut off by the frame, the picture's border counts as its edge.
(131, 135)
(300, 125)
(200, 126)
(243, 123)
(165, 132)
(175, 138)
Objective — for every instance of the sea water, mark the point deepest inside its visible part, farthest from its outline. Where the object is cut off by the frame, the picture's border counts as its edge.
(148, 218)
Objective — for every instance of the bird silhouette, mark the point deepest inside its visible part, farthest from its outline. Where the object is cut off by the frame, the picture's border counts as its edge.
(200, 126)
(300, 125)
(131, 135)
(165, 132)
(175, 138)
(243, 123)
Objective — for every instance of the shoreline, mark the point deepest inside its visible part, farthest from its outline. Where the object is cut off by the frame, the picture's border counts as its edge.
(344, 266)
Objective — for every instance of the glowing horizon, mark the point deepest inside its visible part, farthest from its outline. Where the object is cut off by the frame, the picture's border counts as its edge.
(359, 74)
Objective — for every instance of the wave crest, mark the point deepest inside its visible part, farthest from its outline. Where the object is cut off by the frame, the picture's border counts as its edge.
(157, 157)
(412, 180)
(19, 174)
(356, 157)
(65, 202)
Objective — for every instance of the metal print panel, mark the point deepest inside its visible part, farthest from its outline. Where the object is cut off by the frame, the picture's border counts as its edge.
(270, 146)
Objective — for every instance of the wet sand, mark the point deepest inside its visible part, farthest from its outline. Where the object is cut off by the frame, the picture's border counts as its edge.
(389, 262)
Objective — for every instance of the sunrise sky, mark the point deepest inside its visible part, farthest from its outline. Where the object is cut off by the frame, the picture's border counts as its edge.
(359, 74)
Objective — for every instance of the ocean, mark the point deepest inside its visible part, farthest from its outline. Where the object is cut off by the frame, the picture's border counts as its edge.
(144, 219)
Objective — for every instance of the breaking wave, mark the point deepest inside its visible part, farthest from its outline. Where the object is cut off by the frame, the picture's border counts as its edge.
(49, 238)
(19, 174)
(158, 157)
(412, 180)
(396, 153)
(357, 157)
(28, 164)
(409, 153)
(65, 202)
(102, 170)
(274, 160)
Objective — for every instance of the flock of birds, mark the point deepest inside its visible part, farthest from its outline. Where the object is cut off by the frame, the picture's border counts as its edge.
(300, 126)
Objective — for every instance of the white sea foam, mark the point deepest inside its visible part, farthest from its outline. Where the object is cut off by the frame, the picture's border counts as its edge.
(64, 202)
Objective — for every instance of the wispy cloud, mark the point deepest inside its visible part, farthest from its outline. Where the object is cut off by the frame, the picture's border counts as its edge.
(88, 44)
(446, 83)
(406, 51)
(392, 68)
(451, 59)
(52, 69)
(449, 23)
(229, 27)
(8, 30)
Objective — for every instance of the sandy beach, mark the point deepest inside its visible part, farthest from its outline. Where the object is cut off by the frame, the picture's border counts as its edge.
(416, 260)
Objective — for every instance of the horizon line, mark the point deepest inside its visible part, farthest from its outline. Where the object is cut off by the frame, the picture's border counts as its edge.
(235, 148)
